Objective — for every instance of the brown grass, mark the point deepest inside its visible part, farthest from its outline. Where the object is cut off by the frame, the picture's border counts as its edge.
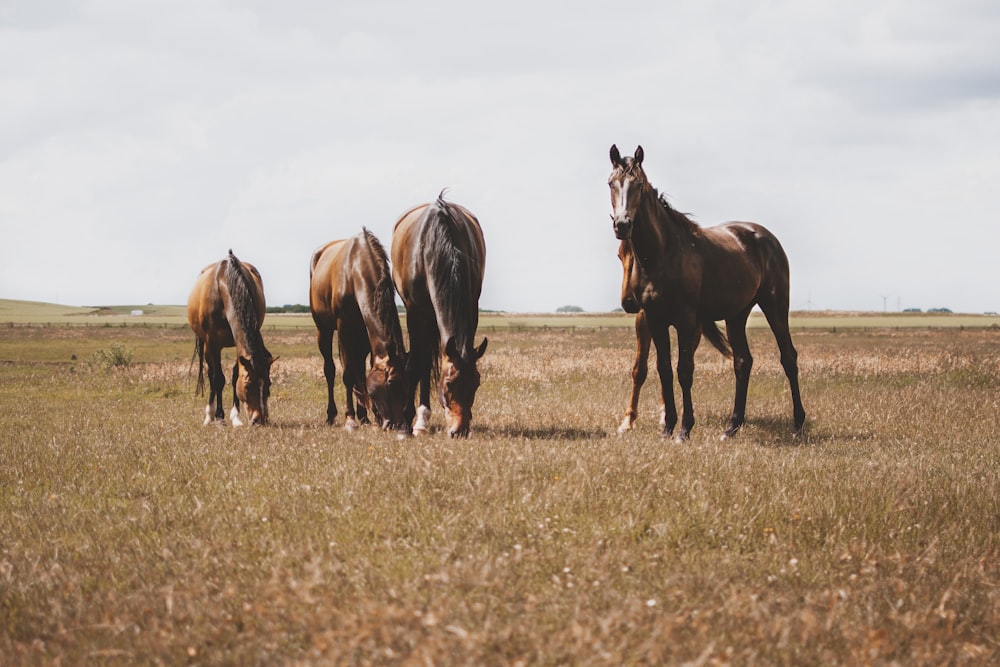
(130, 534)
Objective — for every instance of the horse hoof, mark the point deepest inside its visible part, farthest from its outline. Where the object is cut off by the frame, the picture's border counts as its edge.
(350, 424)
(625, 427)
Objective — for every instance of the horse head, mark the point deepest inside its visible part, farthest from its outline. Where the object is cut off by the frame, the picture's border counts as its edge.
(253, 387)
(388, 390)
(633, 278)
(627, 183)
(458, 385)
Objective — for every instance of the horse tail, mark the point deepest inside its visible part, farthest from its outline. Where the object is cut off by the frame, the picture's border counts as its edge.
(716, 337)
(199, 350)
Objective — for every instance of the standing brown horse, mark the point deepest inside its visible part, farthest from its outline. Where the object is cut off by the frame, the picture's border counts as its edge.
(438, 261)
(696, 276)
(636, 289)
(350, 292)
(226, 309)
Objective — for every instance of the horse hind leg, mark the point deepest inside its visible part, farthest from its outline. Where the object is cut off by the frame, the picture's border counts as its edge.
(736, 331)
(777, 318)
(325, 342)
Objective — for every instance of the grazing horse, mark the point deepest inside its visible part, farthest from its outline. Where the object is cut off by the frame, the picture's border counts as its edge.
(697, 276)
(634, 294)
(226, 309)
(438, 260)
(351, 292)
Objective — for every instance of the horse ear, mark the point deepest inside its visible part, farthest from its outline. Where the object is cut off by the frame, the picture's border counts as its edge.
(450, 348)
(270, 362)
(245, 363)
(481, 350)
(616, 157)
(638, 155)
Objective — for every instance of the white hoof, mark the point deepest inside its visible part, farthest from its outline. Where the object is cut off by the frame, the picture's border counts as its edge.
(350, 424)
(423, 416)
(208, 415)
(234, 416)
(625, 426)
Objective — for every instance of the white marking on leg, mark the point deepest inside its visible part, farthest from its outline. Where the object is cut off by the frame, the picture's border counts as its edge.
(350, 424)
(423, 416)
(208, 414)
(234, 416)
(626, 425)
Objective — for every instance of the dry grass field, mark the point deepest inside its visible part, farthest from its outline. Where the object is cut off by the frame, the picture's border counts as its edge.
(132, 534)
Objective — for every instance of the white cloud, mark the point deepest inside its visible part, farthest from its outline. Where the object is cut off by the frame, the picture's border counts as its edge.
(155, 136)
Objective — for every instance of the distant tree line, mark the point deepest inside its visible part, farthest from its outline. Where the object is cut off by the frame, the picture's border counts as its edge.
(288, 308)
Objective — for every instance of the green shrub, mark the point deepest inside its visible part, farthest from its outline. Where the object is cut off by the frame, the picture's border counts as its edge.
(116, 356)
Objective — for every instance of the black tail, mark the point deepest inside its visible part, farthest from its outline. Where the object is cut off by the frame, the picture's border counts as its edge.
(199, 350)
(715, 336)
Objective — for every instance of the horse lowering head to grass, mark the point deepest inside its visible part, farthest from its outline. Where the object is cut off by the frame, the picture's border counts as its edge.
(690, 277)
(226, 309)
(351, 292)
(438, 262)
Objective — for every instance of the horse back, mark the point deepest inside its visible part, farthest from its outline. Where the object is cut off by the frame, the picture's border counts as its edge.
(742, 262)
(329, 279)
(413, 251)
(209, 303)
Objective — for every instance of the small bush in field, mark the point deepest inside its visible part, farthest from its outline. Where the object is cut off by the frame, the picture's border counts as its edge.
(116, 356)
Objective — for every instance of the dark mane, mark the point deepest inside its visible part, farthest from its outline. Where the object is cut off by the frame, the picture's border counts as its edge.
(244, 303)
(385, 292)
(450, 269)
(683, 219)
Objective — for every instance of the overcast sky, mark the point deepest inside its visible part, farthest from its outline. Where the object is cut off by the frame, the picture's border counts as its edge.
(140, 141)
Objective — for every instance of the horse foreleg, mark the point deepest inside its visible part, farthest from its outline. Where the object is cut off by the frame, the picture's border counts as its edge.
(234, 414)
(424, 405)
(419, 374)
(668, 413)
(688, 338)
(354, 377)
(640, 369)
(216, 385)
(742, 363)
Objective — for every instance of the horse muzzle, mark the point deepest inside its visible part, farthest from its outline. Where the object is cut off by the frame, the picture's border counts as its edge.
(623, 228)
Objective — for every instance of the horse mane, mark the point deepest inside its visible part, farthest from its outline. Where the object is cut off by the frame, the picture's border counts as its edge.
(450, 269)
(243, 298)
(682, 219)
(385, 292)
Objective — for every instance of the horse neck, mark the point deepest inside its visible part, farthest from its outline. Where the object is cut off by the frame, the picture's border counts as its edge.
(378, 310)
(377, 302)
(244, 321)
(452, 280)
(659, 232)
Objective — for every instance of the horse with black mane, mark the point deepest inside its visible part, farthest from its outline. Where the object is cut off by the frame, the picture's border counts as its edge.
(690, 277)
(438, 262)
(226, 309)
(351, 292)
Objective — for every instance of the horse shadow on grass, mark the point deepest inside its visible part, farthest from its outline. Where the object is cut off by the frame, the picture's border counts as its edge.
(776, 432)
